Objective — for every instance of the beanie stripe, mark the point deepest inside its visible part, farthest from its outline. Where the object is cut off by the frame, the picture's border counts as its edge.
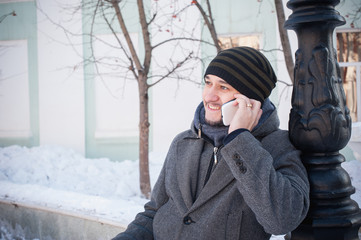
(238, 84)
(264, 62)
(248, 77)
(254, 63)
(251, 71)
(246, 69)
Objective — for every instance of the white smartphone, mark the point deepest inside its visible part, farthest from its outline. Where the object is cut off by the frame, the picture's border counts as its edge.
(228, 111)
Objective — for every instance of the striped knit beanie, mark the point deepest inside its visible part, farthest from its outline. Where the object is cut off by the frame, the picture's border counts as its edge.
(245, 69)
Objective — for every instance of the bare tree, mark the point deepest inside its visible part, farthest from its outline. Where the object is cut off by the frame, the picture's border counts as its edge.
(141, 71)
(152, 19)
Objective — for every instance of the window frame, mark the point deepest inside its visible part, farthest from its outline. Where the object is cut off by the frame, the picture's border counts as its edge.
(357, 66)
(258, 35)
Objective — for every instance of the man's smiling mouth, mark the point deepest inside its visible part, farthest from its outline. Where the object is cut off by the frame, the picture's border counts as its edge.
(214, 107)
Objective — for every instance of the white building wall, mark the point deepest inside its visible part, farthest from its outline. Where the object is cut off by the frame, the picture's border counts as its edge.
(61, 82)
(61, 85)
(173, 111)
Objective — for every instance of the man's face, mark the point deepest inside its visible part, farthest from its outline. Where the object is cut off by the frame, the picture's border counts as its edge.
(216, 92)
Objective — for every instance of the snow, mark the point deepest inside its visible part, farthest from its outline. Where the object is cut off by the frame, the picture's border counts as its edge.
(64, 179)
(60, 178)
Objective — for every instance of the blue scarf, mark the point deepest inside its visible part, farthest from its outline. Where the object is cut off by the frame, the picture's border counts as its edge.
(216, 133)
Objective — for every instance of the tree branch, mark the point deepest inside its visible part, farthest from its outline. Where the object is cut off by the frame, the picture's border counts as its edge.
(181, 38)
(172, 70)
(125, 31)
(2, 18)
(209, 23)
(146, 37)
(131, 67)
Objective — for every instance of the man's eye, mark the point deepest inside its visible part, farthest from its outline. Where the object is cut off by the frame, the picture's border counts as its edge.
(224, 87)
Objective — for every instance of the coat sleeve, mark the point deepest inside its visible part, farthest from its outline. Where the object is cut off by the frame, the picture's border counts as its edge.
(271, 178)
(141, 228)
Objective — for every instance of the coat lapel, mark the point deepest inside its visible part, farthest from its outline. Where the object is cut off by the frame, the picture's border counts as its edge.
(219, 179)
(187, 165)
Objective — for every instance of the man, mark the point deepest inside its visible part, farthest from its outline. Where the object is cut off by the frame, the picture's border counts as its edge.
(242, 181)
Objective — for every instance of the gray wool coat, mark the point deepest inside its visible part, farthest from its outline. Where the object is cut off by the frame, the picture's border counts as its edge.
(258, 187)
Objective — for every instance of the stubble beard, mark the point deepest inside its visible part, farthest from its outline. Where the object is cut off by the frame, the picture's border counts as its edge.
(215, 123)
(218, 123)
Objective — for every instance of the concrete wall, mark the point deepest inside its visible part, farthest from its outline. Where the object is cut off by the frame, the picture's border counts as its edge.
(50, 224)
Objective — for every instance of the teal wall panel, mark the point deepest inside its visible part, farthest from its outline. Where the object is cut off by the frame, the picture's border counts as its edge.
(23, 26)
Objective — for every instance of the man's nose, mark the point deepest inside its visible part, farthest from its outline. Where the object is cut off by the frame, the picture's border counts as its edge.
(211, 95)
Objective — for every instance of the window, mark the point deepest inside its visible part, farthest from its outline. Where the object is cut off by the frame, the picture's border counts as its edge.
(239, 40)
(349, 58)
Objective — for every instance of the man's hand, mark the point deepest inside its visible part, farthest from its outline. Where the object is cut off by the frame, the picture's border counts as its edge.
(248, 114)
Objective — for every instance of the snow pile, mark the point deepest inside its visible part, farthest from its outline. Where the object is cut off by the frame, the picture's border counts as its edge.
(60, 178)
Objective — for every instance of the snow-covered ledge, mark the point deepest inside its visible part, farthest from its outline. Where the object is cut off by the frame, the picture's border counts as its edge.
(38, 222)
(355, 141)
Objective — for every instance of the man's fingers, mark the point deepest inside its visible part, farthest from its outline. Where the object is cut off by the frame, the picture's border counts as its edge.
(255, 104)
(247, 102)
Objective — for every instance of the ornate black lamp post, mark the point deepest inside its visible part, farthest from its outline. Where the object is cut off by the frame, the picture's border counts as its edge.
(320, 124)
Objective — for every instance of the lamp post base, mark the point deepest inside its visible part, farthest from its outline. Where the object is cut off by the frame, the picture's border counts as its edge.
(309, 232)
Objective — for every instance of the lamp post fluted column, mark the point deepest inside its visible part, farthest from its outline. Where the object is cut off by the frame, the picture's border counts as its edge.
(320, 123)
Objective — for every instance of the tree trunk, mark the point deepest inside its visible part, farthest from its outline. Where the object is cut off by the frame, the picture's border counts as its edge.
(284, 39)
(140, 73)
(144, 178)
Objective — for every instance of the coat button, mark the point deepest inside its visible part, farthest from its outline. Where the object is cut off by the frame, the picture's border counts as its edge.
(187, 220)
(243, 169)
(239, 163)
(236, 156)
